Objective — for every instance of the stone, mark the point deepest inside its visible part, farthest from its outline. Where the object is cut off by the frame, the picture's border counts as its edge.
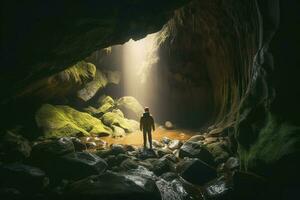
(171, 157)
(104, 99)
(129, 164)
(130, 107)
(174, 144)
(118, 132)
(162, 165)
(111, 161)
(196, 150)
(60, 121)
(52, 148)
(163, 151)
(195, 171)
(91, 145)
(157, 144)
(14, 147)
(146, 153)
(77, 165)
(232, 163)
(196, 138)
(169, 125)
(218, 188)
(113, 186)
(22, 177)
(169, 176)
(78, 144)
(209, 140)
(117, 149)
(114, 119)
(92, 87)
(165, 140)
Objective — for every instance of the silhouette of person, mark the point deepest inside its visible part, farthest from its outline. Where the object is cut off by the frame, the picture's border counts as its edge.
(147, 125)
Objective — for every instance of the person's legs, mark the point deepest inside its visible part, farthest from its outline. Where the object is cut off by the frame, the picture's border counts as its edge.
(150, 138)
(145, 139)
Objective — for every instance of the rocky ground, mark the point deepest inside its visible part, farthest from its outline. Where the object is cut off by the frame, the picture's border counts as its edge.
(69, 168)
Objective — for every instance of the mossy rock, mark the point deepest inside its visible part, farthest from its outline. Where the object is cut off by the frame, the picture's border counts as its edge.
(106, 104)
(277, 141)
(60, 121)
(91, 88)
(104, 99)
(115, 119)
(130, 107)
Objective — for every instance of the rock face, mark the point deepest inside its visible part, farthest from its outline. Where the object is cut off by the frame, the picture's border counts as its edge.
(114, 186)
(14, 147)
(60, 121)
(130, 107)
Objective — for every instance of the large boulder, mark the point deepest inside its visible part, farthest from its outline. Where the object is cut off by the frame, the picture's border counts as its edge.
(218, 151)
(130, 107)
(196, 171)
(14, 147)
(23, 177)
(196, 150)
(114, 186)
(60, 121)
(115, 119)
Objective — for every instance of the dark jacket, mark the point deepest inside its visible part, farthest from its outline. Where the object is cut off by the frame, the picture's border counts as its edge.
(147, 122)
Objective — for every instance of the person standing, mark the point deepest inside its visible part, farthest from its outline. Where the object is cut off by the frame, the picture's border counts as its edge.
(147, 125)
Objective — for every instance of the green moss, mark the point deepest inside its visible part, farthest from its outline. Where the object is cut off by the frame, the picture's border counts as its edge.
(80, 72)
(115, 119)
(59, 121)
(275, 140)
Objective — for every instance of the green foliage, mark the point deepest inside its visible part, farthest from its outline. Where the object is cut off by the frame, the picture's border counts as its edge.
(59, 121)
(275, 140)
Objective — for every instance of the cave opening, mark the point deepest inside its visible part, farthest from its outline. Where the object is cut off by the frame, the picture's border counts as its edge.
(78, 76)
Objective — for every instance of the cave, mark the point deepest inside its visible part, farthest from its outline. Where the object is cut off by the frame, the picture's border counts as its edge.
(220, 79)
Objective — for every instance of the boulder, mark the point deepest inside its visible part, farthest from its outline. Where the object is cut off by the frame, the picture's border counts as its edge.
(92, 87)
(118, 131)
(174, 144)
(117, 149)
(22, 177)
(61, 121)
(14, 147)
(76, 165)
(52, 148)
(218, 188)
(157, 144)
(169, 176)
(114, 186)
(163, 151)
(165, 140)
(146, 153)
(196, 150)
(129, 164)
(169, 125)
(130, 107)
(78, 144)
(162, 165)
(195, 171)
(104, 99)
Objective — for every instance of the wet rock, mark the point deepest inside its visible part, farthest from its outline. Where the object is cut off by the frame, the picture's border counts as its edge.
(77, 165)
(114, 186)
(165, 140)
(111, 161)
(130, 107)
(22, 177)
(169, 125)
(14, 147)
(196, 138)
(103, 153)
(210, 140)
(218, 189)
(146, 153)
(121, 157)
(196, 150)
(51, 148)
(169, 176)
(174, 144)
(91, 145)
(129, 148)
(78, 144)
(232, 163)
(163, 151)
(157, 144)
(117, 149)
(171, 157)
(196, 171)
(162, 165)
(129, 164)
